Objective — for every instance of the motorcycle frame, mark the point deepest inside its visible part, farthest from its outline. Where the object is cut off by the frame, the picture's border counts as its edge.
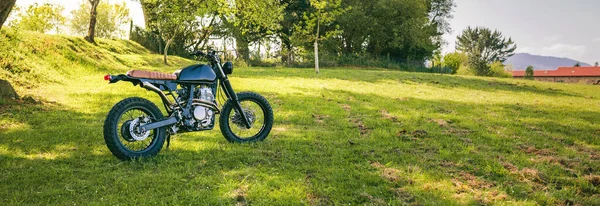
(159, 86)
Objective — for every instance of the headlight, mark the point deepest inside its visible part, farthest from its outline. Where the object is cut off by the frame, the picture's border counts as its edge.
(228, 68)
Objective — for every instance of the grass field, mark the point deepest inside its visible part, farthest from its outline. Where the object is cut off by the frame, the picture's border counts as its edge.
(345, 136)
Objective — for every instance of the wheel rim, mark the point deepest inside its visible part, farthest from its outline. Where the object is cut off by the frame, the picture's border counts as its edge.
(255, 112)
(127, 138)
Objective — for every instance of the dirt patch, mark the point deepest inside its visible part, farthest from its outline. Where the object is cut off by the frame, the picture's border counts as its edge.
(403, 195)
(362, 128)
(316, 199)
(346, 107)
(593, 179)
(593, 153)
(240, 195)
(411, 136)
(533, 150)
(456, 131)
(467, 181)
(390, 174)
(419, 133)
(372, 200)
(441, 122)
(510, 167)
(388, 116)
(320, 118)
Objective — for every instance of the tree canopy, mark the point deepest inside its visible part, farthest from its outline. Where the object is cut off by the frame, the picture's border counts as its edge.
(398, 30)
(484, 47)
(42, 18)
(109, 20)
(485, 44)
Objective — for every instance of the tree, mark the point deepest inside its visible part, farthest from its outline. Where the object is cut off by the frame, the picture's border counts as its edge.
(484, 47)
(93, 15)
(41, 18)
(440, 12)
(109, 19)
(596, 64)
(250, 21)
(400, 29)
(577, 64)
(324, 13)
(6, 7)
(292, 16)
(177, 18)
(529, 72)
(455, 60)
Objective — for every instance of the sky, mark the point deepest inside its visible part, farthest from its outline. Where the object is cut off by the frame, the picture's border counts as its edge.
(561, 28)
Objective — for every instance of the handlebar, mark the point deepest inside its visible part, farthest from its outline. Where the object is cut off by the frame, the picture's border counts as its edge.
(211, 55)
(198, 53)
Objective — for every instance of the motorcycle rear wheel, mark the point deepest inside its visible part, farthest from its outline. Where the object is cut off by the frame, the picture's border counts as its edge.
(123, 139)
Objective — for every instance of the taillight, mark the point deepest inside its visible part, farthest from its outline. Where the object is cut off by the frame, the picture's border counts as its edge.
(107, 77)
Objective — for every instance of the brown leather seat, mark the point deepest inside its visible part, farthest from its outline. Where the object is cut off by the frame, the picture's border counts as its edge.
(151, 75)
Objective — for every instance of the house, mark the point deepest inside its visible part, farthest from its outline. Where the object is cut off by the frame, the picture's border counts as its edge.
(589, 75)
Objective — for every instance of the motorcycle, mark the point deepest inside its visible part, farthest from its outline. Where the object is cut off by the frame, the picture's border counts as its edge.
(135, 127)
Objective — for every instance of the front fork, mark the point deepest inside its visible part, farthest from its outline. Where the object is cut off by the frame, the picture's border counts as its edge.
(236, 104)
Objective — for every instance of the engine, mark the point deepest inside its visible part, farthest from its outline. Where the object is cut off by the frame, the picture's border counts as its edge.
(202, 114)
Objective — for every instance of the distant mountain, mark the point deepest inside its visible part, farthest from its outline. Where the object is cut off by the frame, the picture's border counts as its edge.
(521, 61)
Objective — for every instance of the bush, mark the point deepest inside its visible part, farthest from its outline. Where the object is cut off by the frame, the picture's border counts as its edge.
(529, 72)
(455, 60)
(497, 69)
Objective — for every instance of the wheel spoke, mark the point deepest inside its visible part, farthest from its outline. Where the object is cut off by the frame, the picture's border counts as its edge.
(251, 108)
(135, 145)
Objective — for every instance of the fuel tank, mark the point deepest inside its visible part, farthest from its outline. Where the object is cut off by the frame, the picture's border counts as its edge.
(198, 73)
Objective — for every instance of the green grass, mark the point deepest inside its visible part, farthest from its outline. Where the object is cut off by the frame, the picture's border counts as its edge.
(345, 136)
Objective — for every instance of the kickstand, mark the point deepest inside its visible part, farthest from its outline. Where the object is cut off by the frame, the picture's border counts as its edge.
(168, 140)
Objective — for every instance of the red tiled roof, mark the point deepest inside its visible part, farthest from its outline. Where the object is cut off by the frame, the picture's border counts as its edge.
(563, 72)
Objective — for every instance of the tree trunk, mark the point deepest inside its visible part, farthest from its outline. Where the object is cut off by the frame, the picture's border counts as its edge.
(5, 8)
(167, 49)
(317, 48)
(242, 47)
(93, 14)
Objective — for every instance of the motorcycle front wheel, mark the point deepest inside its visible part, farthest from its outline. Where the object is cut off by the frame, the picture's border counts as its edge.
(257, 109)
(122, 133)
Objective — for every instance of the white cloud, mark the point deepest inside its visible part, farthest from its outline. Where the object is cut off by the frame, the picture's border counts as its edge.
(552, 38)
(565, 50)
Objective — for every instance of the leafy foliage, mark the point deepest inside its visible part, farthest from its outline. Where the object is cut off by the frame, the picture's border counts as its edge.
(529, 73)
(41, 18)
(484, 47)
(109, 20)
(400, 28)
(497, 69)
(177, 19)
(250, 21)
(455, 60)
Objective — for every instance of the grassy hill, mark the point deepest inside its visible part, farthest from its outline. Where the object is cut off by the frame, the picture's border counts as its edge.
(345, 136)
